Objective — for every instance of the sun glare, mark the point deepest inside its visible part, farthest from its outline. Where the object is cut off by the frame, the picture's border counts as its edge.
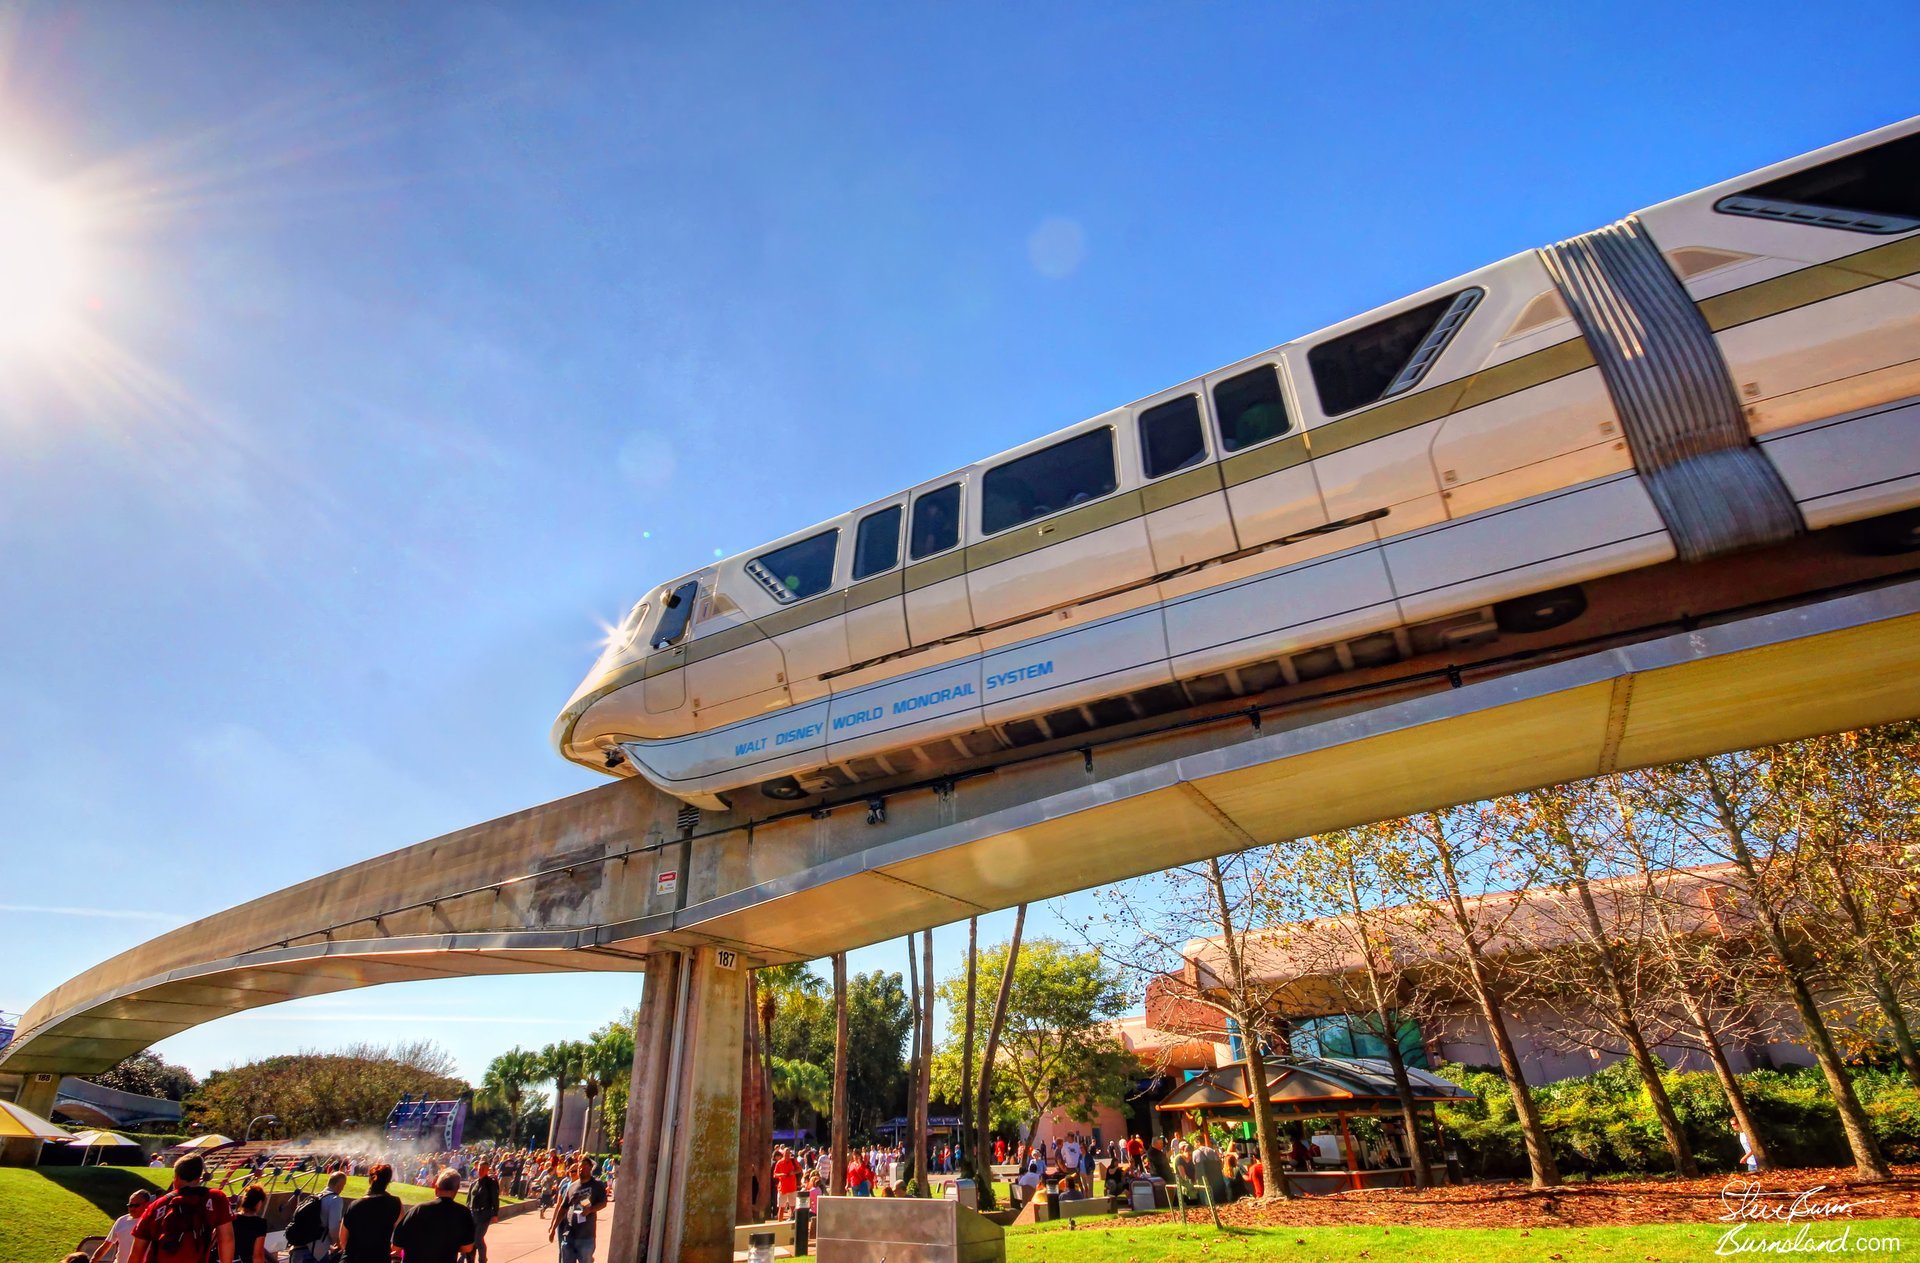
(40, 262)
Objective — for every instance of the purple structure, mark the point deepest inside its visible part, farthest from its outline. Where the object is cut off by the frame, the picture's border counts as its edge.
(434, 1124)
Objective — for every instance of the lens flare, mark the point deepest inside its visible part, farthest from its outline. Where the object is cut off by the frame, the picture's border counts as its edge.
(41, 262)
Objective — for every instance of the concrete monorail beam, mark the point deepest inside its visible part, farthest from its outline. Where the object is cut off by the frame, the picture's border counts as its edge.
(601, 879)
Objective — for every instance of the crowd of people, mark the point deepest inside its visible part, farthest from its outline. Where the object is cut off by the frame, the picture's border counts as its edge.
(1195, 1169)
(194, 1223)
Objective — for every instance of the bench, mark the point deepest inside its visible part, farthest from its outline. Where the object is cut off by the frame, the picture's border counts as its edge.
(1037, 1211)
(782, 1231)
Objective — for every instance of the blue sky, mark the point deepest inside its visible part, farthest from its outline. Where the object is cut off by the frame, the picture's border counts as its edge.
(419, 339)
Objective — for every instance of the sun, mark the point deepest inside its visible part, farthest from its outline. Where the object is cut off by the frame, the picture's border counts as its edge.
(41, 262)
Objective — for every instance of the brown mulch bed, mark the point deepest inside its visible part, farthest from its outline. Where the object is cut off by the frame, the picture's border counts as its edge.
(1571, 1205)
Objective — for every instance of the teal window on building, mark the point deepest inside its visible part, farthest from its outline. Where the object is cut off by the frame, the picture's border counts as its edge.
(1347, 1036)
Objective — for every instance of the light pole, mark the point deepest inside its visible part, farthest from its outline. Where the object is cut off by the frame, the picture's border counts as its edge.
(257, 1118)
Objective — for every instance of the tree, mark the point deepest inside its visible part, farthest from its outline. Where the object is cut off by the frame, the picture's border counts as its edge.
(1326, 897)
(1056, 1051)
(802, 1083)
(797, 1020)
(879, 1018)
(560, 1062)
(1696, 967)
(1743, 808)
(839, 1167)
(606, 1062)
(1858, 818)
(923, 1072)
(506, 1081)
(145, 1074)
(1447, 851)
(1148, 934)
(313, 1093)
(970, 1165)
(1002, 994)
(753, 1187)
(916, 1055)
(1593, 960)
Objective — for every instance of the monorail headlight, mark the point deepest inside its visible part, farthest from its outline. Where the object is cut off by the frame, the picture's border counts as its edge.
(786, 789)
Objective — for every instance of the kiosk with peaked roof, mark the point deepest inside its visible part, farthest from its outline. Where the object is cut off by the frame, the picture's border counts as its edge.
(1303, 1088)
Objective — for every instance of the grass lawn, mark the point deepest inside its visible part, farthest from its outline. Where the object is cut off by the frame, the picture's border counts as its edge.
(1664, 1243)
(45, 1212)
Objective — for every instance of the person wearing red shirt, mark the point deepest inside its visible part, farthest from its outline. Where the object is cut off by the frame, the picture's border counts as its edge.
(859, 1178)
(1257, 1176)
(786, 1179)
(189, 1224)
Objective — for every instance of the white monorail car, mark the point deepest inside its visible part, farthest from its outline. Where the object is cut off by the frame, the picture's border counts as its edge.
(1718, 372)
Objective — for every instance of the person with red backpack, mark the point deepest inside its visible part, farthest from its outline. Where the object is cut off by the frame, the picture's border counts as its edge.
(190, 1224)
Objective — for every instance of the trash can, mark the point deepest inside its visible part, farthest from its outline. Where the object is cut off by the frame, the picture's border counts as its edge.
(1141, 1193)
(760, 1248)
(965, 1192)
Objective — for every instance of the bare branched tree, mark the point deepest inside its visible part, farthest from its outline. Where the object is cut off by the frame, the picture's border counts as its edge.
(1327, 900)
(1743, 809)
(1859, 816)
(1454, 861)
(1147, 929)
(1701, 977)
(1593, 960)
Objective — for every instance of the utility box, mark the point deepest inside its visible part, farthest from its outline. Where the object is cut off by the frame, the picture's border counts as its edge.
(905, 1230)
(1141, 1193)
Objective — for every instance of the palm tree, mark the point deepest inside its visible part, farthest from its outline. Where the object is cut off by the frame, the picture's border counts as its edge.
(561, 1063)
(839, 1185)
(802, 1083)
(608, 1059)
(506, 1082)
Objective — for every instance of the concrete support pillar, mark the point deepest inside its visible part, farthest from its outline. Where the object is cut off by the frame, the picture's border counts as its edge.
(37, 1093)
(680, 1157)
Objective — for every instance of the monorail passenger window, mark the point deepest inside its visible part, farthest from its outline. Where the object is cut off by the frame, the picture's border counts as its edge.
(676, 613)
(797, 571)
(1387, 357)
(936, 522)
(1875, 190)
(1051, 479)
(1251, 408)
(876, 545)
(1170, 436)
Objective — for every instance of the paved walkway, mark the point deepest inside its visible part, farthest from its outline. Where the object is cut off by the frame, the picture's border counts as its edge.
(523, 1239)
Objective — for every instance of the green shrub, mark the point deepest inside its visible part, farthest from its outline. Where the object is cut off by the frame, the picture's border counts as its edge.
(1893, 1106)
(1603, 1124)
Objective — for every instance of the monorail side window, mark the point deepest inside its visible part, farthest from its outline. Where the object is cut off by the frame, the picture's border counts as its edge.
(936, 522)
(678, 611)
(1053, 478)
(630, 625)
(1875, 190)
(797, 571)
(1170, 436)
(876, 545)
(1387, 357)
(1251, 408)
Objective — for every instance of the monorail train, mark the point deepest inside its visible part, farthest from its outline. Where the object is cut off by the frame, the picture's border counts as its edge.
(1716, 373)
